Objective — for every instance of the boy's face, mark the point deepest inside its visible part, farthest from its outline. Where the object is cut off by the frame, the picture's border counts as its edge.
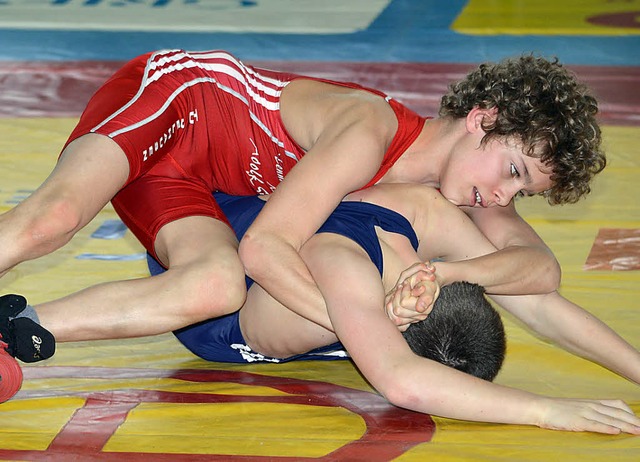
(490, 174)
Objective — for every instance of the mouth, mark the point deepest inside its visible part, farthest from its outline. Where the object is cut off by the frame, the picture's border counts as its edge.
(477, 198)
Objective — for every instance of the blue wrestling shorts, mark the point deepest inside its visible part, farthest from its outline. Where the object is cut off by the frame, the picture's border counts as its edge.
(221, 340)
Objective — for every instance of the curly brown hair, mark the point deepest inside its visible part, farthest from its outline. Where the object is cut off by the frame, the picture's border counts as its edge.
(541, 105)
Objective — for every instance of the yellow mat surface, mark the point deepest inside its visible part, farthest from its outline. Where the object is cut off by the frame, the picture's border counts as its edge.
(150, 399)
(549, 17)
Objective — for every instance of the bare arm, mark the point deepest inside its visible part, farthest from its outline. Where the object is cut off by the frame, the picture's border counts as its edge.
(519, 254)
(343, 155)
(408, 381)
(576, 330)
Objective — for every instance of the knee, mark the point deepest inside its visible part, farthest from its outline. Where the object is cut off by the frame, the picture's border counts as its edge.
(214, 290)
(50, 225)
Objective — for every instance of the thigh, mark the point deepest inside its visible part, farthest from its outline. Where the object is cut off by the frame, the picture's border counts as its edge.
(89, 172)
(203, 269)
(147, 118)
(151, 202)
(202, 259)
(197, 240)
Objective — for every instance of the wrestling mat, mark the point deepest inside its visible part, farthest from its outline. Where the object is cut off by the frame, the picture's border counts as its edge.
(151, 400)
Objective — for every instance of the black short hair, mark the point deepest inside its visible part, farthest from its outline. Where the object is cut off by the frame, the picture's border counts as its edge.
(463, 331)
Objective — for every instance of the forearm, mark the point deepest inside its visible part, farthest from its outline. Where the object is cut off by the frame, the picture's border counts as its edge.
(576, 330)
(516, 261)
(459, 396)
(515, 270)
(279, 269)
(439, 390)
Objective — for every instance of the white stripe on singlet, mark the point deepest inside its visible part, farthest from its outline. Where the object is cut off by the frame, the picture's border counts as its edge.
(153, 72)
(132, 100)
(227, 70)
(248, 70)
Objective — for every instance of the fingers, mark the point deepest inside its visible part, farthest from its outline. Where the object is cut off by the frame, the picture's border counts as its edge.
(428, 297)
(413, 269)
(404, 305)
(402, 311)
(412, 298)
(415, 274)
(610, 426)
(608, 416)
(415, 279)
(617, 417)
(617, 403)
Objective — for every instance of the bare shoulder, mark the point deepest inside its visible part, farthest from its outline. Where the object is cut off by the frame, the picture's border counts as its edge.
(314, 90)
(404, 198)
(309, 108)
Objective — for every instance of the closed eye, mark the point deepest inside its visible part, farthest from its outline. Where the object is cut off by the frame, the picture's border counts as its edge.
(514, 171)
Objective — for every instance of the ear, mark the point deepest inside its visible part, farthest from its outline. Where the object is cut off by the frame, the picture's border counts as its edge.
(478, 117)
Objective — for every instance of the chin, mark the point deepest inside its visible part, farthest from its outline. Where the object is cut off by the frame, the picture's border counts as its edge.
(450, 199)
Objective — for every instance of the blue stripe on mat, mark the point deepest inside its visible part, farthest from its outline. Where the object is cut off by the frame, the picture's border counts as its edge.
(407, 30)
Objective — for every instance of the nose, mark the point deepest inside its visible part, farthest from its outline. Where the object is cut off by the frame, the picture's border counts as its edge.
(505, 192)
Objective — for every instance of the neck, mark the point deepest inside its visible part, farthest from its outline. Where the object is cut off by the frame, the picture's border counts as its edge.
(424, 160)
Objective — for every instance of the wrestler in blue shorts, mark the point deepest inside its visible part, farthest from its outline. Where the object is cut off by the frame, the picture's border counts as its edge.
(221, 340)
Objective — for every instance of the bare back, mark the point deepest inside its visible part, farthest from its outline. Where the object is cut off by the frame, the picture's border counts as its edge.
(273, 330)
(310, 108)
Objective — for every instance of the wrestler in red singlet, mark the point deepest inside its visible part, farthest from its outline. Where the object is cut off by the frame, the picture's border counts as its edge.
(192, 123)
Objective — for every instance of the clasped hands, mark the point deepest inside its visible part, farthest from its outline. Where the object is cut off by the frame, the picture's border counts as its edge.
(414, 295)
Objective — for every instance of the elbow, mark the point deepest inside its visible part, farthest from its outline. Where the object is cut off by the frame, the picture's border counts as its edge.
(400, 394)
(399, 399)
(251, 251)
(552, 275)
(402, 387)
(264, 253)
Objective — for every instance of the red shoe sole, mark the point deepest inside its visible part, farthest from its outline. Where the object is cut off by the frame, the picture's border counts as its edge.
(10, 376)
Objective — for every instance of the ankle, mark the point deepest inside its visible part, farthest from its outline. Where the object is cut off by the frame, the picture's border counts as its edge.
(28, 312)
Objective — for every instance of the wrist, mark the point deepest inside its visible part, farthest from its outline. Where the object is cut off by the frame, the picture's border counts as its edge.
(443, 273)
(535, 410)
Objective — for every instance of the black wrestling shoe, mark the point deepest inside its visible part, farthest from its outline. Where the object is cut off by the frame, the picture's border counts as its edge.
(25, 339)
(10, 372)
(20, 338)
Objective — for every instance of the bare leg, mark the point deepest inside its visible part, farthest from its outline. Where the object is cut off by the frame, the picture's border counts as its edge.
(205, 279)
(89, 173)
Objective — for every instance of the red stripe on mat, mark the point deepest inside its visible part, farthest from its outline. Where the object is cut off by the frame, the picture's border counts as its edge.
(390, 431)
(62, 89)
